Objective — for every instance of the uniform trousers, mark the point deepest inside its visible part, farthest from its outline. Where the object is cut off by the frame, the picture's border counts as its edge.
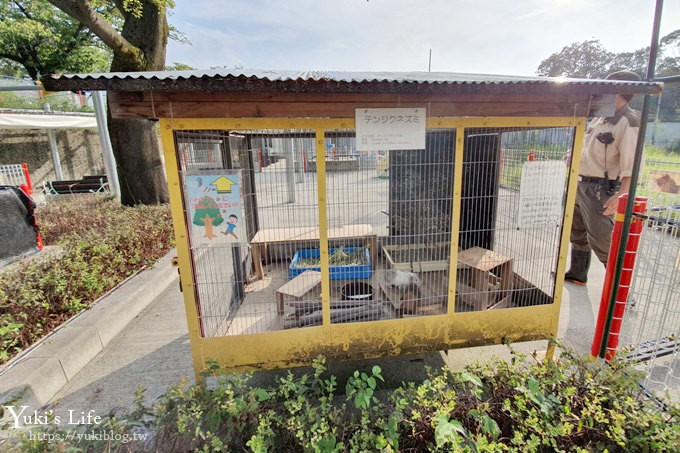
(591, 230)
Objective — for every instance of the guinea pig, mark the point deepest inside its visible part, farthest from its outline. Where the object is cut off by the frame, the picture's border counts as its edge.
(402, 279)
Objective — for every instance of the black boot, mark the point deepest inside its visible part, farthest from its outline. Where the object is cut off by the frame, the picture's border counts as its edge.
(578, 272)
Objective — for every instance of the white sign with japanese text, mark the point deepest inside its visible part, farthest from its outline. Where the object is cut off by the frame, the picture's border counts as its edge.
(541, 193)
(386, 129)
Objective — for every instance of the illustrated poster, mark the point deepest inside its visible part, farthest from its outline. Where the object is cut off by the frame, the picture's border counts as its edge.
(215, 207)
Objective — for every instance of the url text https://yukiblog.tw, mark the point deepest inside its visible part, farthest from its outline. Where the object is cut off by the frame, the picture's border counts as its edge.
(72, 436)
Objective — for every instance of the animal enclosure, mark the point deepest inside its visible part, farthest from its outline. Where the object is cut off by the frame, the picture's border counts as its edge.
(459, 245)
(393, 235)
(354, 215)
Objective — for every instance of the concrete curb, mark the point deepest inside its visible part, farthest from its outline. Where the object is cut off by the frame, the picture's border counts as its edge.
(36, 377)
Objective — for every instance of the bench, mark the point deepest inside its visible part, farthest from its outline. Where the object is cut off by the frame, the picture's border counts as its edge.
(89, 184)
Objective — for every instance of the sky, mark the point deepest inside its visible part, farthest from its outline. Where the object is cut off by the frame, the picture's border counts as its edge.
(505, 37)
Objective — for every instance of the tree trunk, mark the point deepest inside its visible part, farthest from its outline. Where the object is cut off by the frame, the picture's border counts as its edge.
(141, 172)
(135, 142)
(208, 224)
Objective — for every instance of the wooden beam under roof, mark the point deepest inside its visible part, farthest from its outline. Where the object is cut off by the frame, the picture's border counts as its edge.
(306, 105)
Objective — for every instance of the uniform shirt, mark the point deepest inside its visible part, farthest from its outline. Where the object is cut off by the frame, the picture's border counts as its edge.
(624, 127)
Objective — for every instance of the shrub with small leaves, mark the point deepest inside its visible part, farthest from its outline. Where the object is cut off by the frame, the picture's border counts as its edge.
(573, 405)
(103, 243)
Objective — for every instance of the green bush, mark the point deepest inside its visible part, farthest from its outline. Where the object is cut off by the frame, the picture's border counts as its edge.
(30, 100)
(103, 243)
(575, 404)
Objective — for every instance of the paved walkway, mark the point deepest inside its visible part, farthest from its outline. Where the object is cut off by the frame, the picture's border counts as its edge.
(153, 352)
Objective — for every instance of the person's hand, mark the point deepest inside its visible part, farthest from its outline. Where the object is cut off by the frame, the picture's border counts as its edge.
(611, 205)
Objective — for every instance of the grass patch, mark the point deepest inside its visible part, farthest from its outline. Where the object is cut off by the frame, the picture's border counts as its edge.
(656, 159)
(103, 242)
(662, 154)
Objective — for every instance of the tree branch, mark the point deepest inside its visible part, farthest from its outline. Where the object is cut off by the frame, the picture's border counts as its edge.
(83, 11)
(23, 10)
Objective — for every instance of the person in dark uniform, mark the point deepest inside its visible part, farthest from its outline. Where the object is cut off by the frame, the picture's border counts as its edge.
(604, 175)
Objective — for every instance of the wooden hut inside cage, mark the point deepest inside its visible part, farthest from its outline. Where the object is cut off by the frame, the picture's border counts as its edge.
(354, 215)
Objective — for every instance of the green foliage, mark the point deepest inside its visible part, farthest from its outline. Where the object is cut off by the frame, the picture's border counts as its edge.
(175, 66)
(659, 154)
(131, 34)
(103, 243)
(59, 102)
(361, 387)
(656, 159)
(44, 40)
(136, 7)
(589, 59)
(576, 404)
(12, 69)
(207, 207)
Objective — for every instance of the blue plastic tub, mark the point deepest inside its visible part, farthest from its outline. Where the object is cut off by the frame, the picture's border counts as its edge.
(337, 272)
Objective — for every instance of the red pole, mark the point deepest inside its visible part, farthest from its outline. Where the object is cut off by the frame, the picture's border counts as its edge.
(632, 243)
(38, 239)
(28, 187)
(532, 155)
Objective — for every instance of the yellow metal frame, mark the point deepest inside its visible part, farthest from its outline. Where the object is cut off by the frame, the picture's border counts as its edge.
(297, 347)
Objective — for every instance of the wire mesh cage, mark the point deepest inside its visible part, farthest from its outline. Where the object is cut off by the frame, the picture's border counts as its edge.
(252, 205)
(16, 175)
(512, 216)
(651, 322)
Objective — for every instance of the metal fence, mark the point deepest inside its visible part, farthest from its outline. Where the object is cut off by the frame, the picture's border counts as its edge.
(650, 335)
(16, 175)
(651, 323)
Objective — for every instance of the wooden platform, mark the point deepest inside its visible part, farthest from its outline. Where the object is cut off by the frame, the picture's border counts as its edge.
(298, 287)
(276, 303)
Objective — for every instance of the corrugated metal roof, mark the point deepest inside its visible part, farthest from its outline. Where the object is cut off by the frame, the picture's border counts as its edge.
(320, 81)
(338, 76)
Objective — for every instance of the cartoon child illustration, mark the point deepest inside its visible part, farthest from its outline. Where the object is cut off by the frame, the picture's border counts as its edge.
(232, 220)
